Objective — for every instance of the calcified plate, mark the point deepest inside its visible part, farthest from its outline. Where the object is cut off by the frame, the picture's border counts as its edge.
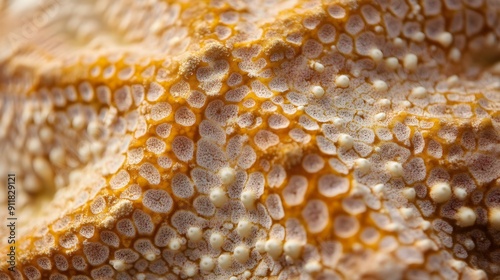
(250, 139)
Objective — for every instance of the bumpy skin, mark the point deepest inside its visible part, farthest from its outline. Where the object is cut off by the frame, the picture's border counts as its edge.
(252, 139)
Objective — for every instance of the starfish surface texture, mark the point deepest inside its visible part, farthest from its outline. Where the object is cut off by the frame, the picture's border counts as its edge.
(242, 139)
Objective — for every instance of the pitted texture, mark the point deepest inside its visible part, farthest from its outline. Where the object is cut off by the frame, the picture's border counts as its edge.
(253, 139)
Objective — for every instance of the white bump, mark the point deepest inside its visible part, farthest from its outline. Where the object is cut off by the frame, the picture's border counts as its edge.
(378, 188)
(94, 129)
(274, 248)
(227, 175)
(241, 253)
(384, 102)
(46, 134)
(78, 122)
(318, 91)
(453, 80)
(456, 264)
(445, 39)
(455, 55)
(379, 116)
(194, 233)
(216, 240)
(312, 266)
(338, 121)
(244, 228)
(174, 244)
(425, 244)
(363, 165)
(345, 141)
(150, 256)
(398, 42)
(248, 199)
(57, 156)
(477, 274)
(34, 145)
(490, 39)
(190, 270)
(418, 92)
(42, 168)
(118, 265)
(319, 67)
(342, 81)
(394, 168)
(207, 264)
(460, 193)
(260, 246)
(380, 86)
(393, 227)
(409, 193)
(225, 261)
(410, 62)
(376, 55)
(392, 63)
(425, 225)
(418, 37)
(440, 192)
(406, 212)
(218, 197)
(293, 248)
(465, 217)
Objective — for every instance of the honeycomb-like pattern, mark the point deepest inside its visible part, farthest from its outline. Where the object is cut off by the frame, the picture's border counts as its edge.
(252, 139)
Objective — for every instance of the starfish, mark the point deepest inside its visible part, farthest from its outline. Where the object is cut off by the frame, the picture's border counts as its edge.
(232, 139)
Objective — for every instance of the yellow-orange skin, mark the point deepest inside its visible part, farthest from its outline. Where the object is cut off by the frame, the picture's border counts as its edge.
(450, 134)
